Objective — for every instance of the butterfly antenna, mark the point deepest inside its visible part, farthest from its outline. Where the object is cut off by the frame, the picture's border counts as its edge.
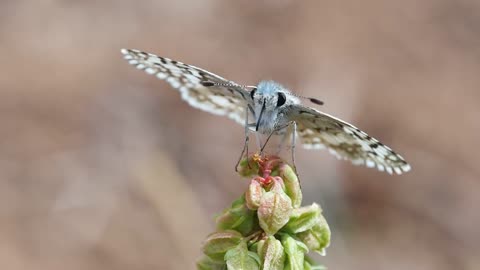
(209, 84)
(313, 100)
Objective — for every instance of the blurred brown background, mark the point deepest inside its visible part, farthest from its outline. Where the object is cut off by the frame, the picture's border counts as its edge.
(104, 167)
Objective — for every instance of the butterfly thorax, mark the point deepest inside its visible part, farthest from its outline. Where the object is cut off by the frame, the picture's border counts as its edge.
(271, 103)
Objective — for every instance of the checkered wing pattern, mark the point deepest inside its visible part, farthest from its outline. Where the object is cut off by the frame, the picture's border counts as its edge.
(200, 88)
(318, 130)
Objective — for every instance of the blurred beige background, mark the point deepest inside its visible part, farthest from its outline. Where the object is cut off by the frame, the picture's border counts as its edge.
(104, 167)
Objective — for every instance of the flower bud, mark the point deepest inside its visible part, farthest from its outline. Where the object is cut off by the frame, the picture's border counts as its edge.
(239, 258)
(318, 237)
(295, 252)
(217, 244)
(254, 195)
(274, 210)
(238, 217)
(303, 218)
(248, 167)
(292, 184)
(271, 254)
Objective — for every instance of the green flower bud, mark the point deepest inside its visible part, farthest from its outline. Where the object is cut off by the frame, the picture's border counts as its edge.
(254, 195)
(295, 251)
(303, 218)
(292, 184)
(205, 263)
(248, 167)
(239, 258)
(318, 237)
(274, 210)
(271, 254)
(217, 244)
(238, 217)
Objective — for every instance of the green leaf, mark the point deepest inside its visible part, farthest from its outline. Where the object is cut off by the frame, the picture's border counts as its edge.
(239, 258)
(205, 263)
(309, 264)
(217, 244)
(292, 184)
(295, 251)
(272, 254)
(303, 218)
(318, 237)
(253, 195)
(238, 217)
(274, 210)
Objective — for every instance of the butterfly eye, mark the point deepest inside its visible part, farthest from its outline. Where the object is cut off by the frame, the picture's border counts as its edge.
(252, 93)
(281, 99)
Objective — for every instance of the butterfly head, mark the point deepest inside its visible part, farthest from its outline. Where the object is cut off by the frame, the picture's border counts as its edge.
(269, 99)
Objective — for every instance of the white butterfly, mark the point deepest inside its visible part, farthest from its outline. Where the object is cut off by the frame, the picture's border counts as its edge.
(273, 108)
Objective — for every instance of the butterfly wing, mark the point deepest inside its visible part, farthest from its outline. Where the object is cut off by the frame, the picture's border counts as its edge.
(318, 130)
(200, 88)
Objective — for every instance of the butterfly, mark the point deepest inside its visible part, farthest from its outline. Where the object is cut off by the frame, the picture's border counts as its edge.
(273, 108)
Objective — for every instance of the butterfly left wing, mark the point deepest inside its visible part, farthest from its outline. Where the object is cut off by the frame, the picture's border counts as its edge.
(200, 88)
(318, 130)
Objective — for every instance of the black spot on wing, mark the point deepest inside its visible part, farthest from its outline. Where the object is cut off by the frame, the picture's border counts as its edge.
(242, 94)
(356, 135)
(207, 84)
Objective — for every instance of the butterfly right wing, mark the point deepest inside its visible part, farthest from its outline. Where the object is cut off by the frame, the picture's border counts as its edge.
(200, 88)
(319, 130)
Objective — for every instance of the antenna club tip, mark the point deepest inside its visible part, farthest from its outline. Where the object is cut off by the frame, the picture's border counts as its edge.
(316, 101)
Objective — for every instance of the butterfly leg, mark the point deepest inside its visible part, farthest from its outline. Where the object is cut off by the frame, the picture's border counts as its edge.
(265, 144)
(271, 133)
(294, 135)
(245, 145)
